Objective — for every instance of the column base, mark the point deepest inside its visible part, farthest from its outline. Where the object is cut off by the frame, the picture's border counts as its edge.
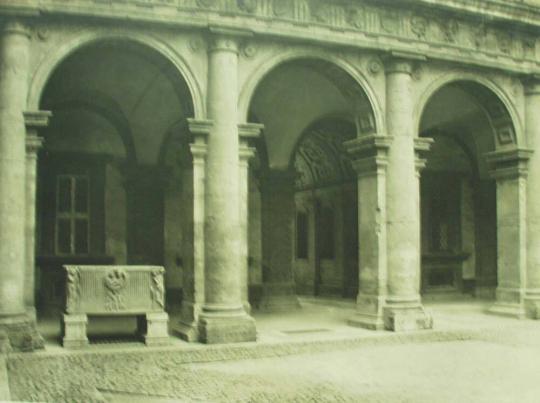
(219, 326)
(406, 317)
(509, 303)
(278, 297)
(532, 304)
(369, 313)
(19, 333)
(74, 331)
(157, 332)
(188, 328)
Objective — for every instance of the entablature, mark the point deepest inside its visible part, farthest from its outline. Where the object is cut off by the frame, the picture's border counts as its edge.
(490, 33)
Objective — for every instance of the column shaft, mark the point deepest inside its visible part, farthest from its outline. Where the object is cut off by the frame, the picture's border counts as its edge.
(224, 318)
(404, 310)
(532, 127)
(14, 56)
(277, 210)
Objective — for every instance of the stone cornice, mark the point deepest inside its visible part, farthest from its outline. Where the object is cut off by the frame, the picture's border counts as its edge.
(471, 33)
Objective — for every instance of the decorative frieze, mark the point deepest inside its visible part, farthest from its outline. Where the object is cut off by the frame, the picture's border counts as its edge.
(425, 26)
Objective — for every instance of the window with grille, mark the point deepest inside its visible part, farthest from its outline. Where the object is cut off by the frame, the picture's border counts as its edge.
(72, 215)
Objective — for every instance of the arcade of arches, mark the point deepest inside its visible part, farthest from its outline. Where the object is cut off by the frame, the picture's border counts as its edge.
(255, 178)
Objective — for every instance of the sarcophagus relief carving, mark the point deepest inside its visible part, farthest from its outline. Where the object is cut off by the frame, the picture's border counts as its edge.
(110, 291)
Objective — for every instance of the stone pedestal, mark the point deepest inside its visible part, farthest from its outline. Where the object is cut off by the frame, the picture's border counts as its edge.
(157, 333)
(74, 331)
(509, 168)
(532, 128)
(14, 56)
(369, 154)
(193, 273)
(277, 210)
(403, 309)
(223, 318)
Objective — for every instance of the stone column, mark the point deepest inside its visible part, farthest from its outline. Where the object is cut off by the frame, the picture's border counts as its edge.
(370, 158)
(532, 128)
(193, 273)
(247, 132)
(223, 318)
(277, 210)
(403, 309)
(15, 325)
(34, 121)
(509, 168)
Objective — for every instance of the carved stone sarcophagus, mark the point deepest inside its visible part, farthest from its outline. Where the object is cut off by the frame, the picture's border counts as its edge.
(114, 291)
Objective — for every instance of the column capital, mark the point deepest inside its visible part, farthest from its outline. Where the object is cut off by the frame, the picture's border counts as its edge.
(200, 129)
(369, 153)
(401, 62)
(531, 84)
(509, 164)
(421, 147)
(226, 39)
(249, 131)
(36, 119)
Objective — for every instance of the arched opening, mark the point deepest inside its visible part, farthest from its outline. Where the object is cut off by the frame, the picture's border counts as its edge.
(308, 191)
(106, 175)
(458, 194)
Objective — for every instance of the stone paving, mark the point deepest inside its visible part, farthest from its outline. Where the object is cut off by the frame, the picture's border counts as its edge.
(473, 357)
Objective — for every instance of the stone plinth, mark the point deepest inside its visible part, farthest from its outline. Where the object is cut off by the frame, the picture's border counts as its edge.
(114, 291)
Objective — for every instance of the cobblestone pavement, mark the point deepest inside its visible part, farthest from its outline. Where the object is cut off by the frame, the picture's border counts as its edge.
(499, 362)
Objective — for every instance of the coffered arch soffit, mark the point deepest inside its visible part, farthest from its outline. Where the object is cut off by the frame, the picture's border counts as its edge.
(500, 109)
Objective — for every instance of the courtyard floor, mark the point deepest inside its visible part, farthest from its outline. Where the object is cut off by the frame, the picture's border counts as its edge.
(310, 355)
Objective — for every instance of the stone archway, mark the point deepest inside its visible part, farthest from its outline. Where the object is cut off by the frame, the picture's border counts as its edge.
(102, 184)
(471, 198)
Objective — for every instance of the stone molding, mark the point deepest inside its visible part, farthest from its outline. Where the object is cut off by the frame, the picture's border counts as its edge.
(509, 164)
(36, 119)
(531, 83)
(422, 145)
(468, 37)
(369, 153)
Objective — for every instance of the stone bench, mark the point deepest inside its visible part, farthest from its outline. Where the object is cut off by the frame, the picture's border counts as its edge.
(114, 291)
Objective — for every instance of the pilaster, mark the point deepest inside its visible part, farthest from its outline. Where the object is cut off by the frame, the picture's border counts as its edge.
(532, 130)
(370, 159)
(509, 168)
(277, 193)
(193, 275)
(247, 132)
(34, 121)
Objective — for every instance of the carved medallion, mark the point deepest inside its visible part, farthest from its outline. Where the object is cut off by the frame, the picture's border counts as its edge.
(207, 3)
(356, 17)
(249, 6)
(449, 29)
(249, 50)
(115, 281)
(505, 41)
(389, 22)
(282, 7)
(375, 66)
(419, 26)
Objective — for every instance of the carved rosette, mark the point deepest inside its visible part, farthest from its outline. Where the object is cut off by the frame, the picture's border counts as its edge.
(115, 281)
(73, 286)
(356, 17)
(157, 290)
